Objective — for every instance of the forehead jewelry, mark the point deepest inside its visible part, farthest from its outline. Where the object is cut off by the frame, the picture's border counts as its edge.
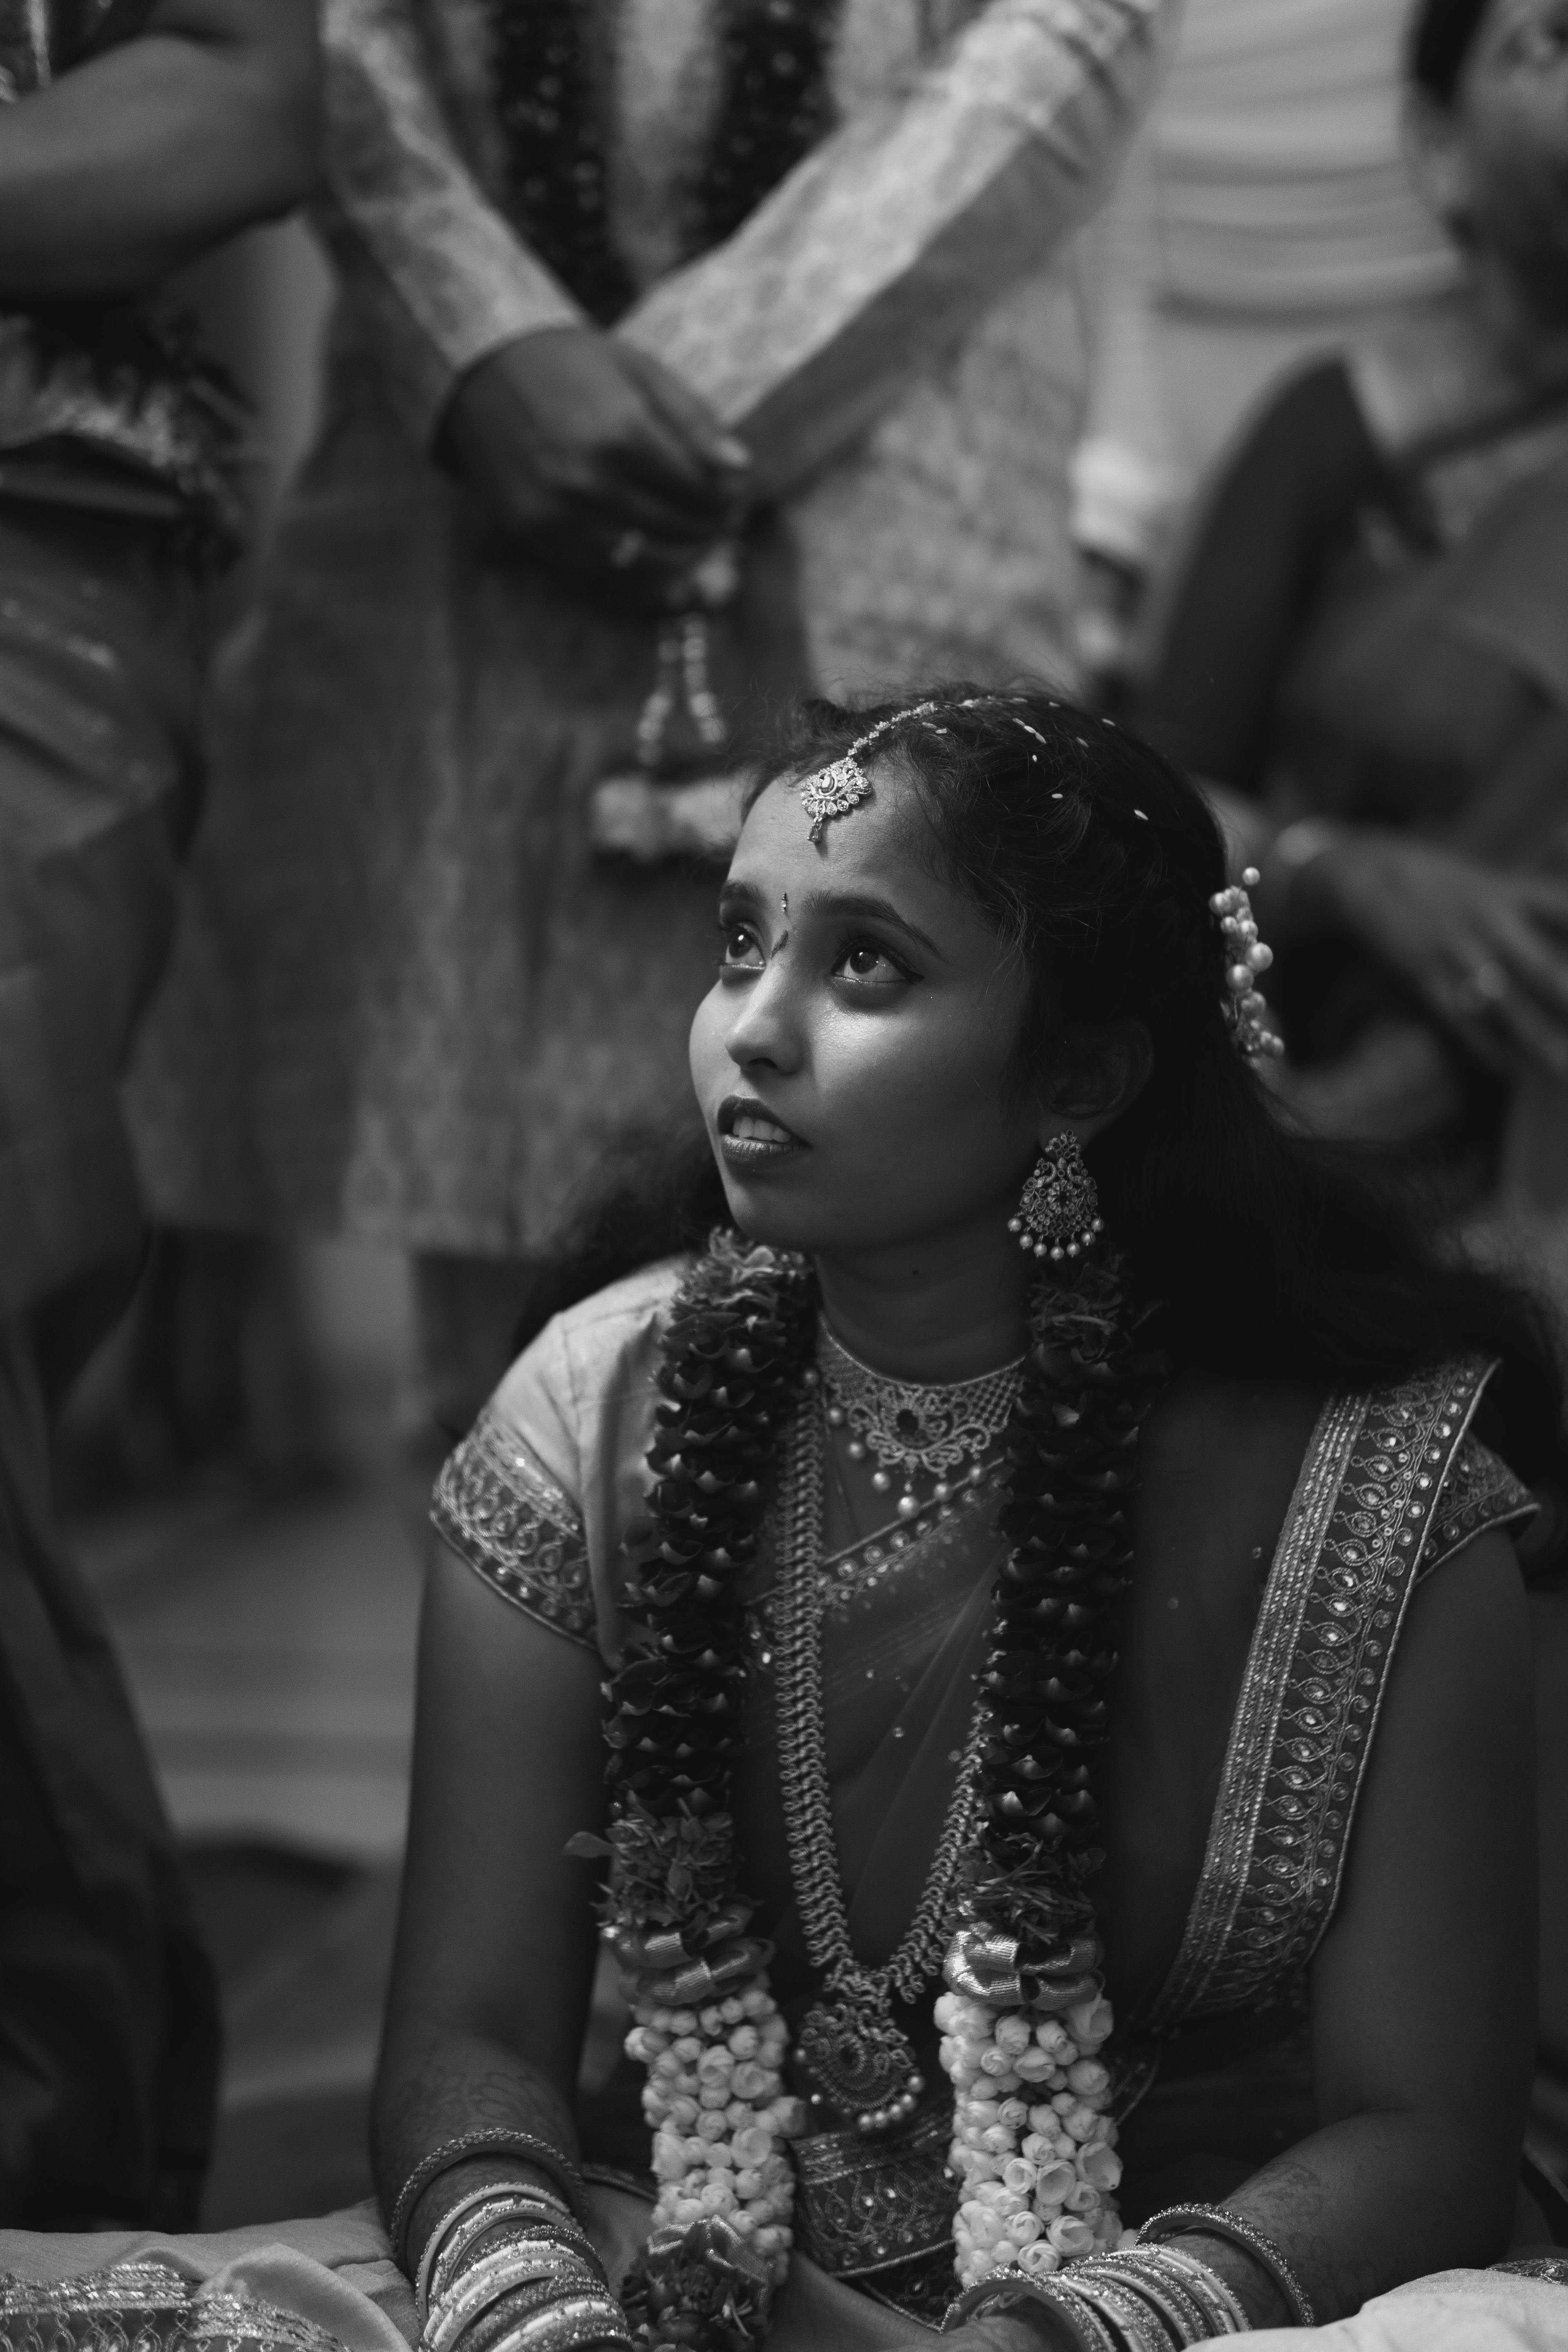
(1248, 957)
(835, 790)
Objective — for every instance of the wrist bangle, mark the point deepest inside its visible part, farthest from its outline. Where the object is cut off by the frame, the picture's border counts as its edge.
(465, 2222)
(1221, 2222)
(1051, 2293)
(507, 2272)
(1179, 2312)
(497, 2142)
(1212, 2294)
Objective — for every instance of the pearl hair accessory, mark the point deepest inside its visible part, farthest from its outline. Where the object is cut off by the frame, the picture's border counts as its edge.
(1246, 1006)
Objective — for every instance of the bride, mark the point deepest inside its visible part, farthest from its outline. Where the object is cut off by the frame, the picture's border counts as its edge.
(1006, 1615)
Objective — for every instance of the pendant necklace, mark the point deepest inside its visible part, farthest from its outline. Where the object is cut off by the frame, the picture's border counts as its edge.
(855, 2060)
(911, 1426)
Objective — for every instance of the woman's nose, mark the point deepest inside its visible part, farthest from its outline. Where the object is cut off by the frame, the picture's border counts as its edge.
(767, 1025)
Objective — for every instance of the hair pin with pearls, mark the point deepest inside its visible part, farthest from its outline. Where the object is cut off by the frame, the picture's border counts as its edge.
(1248, 957)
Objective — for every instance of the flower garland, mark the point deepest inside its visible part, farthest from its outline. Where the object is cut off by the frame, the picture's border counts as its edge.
(1025, 2015)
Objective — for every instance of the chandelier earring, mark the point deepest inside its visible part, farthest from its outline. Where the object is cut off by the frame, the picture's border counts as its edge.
(1058, 1212)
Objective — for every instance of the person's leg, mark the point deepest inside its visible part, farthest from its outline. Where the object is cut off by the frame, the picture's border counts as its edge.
(107, 2025)
(107, 2009)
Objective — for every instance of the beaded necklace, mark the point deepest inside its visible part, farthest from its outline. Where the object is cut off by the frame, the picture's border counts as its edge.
(775, 104)
(1025, 2011)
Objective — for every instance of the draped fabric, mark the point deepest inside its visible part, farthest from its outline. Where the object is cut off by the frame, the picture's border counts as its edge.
(1367, 1497)
(1267, 214)
(414, 1002)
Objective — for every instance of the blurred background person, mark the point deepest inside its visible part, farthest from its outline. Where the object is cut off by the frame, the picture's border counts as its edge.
(133, 137)
(1267, 214)
(685, 354)
(1366, 653)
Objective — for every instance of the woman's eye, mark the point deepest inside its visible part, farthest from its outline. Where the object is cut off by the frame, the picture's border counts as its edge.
(864, 961)
(739, 949)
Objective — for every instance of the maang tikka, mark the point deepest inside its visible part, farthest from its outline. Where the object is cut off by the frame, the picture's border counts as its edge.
(1058, 1211)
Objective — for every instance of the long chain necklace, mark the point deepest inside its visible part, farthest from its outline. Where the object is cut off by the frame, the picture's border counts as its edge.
(853, 2057)
(912, 1425)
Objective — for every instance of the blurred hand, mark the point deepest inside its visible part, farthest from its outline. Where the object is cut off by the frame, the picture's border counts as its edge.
(1487, 950)
(594, 457)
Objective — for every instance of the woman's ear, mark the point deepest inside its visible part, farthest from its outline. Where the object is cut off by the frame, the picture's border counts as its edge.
(1099, 1081)
(1440, 162)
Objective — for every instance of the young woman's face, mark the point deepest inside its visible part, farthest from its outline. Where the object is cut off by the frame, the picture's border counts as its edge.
(851, 1058)
(1511, 124)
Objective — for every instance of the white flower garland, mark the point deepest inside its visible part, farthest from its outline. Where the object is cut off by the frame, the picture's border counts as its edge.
(1033, 2148)
(720, 2117)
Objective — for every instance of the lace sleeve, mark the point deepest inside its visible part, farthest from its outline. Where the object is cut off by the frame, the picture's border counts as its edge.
(1479, 1493)
(505, 1514)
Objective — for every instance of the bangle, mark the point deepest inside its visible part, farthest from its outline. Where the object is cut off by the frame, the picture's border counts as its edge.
(590, 2318)
(1221, 2222)
(1140, 2328)
(509, 2269)
(1178, 2312)
(464, 2222)
(1014, 2286)
(1213, 2294)
(510, 2225)
(498, 2142)
(568, 2327)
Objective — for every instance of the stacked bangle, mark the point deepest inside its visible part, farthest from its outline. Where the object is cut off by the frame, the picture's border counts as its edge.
(1180, 2313)
(1139, 2299)
(471, 2219)
(539, 2153)
(1220, 2221)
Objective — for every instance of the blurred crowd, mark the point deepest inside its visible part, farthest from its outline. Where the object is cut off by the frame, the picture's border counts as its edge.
(357, 849)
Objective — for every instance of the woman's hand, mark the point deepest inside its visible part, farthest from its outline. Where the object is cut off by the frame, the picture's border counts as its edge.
(591, 454)
(1486, 949)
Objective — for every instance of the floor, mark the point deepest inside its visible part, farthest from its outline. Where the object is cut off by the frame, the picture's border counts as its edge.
(270, 1650)
(268, 1637)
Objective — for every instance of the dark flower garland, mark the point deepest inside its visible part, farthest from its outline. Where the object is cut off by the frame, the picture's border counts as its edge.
(732, 1371)
(774, 105)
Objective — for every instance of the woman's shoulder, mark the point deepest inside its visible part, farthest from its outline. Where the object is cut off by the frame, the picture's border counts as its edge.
(535, 1495)
(587, 1353)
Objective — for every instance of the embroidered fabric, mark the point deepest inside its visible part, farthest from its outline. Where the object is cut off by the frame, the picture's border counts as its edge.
(502, 1513)
(146, 2306)
(1480, 1492)
(1373, 1504)
(881, 2211)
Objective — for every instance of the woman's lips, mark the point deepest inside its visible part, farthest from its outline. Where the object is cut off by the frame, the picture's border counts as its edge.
(750, 1138)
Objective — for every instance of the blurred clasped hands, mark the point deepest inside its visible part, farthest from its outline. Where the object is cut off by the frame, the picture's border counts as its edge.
(591, 457)
(1486, 948)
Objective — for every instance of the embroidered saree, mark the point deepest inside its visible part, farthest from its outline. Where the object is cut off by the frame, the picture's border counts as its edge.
(543, 1500)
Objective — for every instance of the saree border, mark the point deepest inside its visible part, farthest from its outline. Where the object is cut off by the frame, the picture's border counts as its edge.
(1348, 1559)
(500, 1511)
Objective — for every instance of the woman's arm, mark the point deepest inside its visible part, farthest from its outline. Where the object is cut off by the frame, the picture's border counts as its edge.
(1423, 1990)
(496, 1943)
(1240, 592)
(882, 247)
(139, 158)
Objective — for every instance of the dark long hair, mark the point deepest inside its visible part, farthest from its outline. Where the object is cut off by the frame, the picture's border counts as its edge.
(1273, 1255)
(1441, 35)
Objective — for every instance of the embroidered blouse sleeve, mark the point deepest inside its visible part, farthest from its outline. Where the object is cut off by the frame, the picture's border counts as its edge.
(1480, 1492)
(892, 238)
(507, 1501)
(442, 276)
